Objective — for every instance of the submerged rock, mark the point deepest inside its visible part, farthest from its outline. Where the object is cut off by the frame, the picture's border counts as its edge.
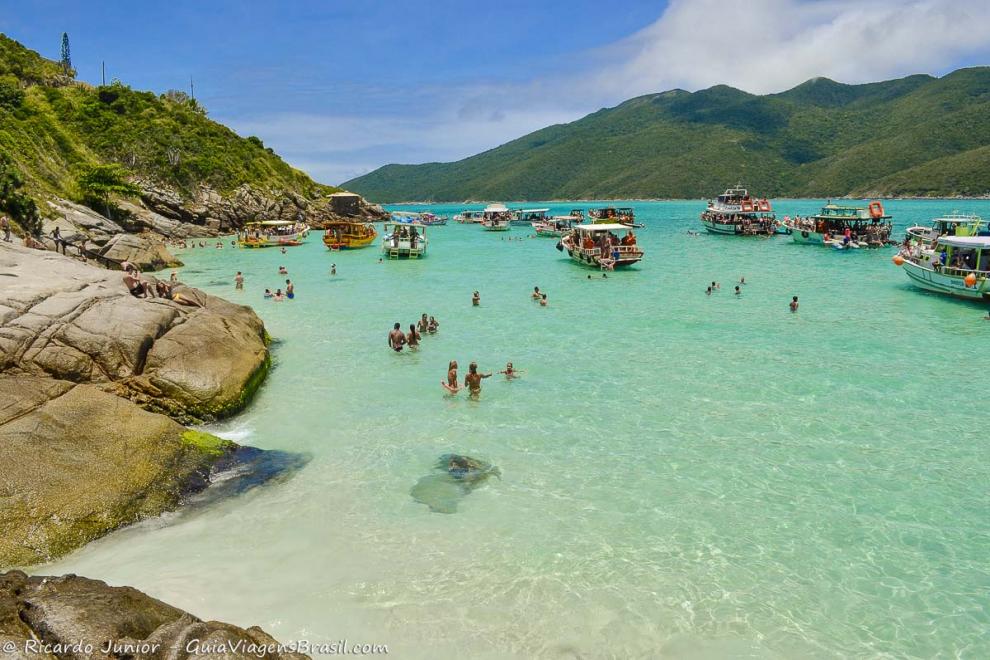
(85, 618)
(454, 477)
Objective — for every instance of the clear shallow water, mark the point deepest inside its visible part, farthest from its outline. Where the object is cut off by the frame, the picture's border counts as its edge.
(683, 475)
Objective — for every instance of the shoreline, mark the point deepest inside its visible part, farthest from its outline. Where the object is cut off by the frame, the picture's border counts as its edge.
(675, 199)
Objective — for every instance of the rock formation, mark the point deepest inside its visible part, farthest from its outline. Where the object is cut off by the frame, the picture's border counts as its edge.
(78, 618)
(85, 368)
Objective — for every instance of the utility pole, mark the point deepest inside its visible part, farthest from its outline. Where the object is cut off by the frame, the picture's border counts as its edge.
(103, 68)
(192, 91)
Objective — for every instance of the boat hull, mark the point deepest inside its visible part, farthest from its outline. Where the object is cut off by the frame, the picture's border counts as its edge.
(952, 285)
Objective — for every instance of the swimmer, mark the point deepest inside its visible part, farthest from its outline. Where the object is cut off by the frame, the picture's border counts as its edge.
(589, 276)
(282, 270)
(738, 290)
(239, 281)
(510, 372)
(433, 326)
(716, 286)
(396, 340)
(543, 301)
(333, 269)
(708, 291)
(604, 276)
(472, 380)
(536, 293)
(742, 280)
(424, 324)
(268, 293)
(290, 290)
(278, 296)
(451, 384)
(476, 299)
(412, 337)
(283, 249)
(794, 305)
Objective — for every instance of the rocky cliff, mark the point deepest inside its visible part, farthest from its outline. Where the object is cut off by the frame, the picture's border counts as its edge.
(76, 618)
(91, 381)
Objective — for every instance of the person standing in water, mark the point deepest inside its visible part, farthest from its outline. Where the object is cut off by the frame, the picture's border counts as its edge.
(472, 380)
(424, 323)
(412, 337)
(794, 304)
(536, 292)
(510, 371)
(451, 383)
(396, 340)
(476, 299)
(333, 269)
(738, 290)
(238, 281)
(543, 300)
(290, 290)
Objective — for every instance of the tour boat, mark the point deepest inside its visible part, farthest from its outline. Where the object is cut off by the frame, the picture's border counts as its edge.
(597, 245)
(527, 217)
(867, 227)
(348, 235)
(955, 265)
(496, 217)
(735, 213)
(432, 219)
(556, 226)
(953, 224)
(404, 238)
(272, 233)
(610, 214)
(466, 217)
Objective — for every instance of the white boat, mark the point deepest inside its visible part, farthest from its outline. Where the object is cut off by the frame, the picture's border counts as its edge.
(496, 217)
(955, 265)
(556, 226)
(597, 245)
(843, 227)
(734, 212)
(526, 217)
(953, 224)
(467, 217)
(404, 238)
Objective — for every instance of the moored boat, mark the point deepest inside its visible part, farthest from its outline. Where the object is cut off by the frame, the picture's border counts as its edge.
(272, 233)
(496, 217)
(610, 214)
(431, 219)
(736, 213)
(347, 235)
(598, 246)
(556, 226)
(467, 217)
(526, 217)
(404, 239)
(954, 265)
(843, 227)
(953, 224)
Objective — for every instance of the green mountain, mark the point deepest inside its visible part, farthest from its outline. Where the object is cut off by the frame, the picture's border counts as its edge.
(53, 127)
(913, 136)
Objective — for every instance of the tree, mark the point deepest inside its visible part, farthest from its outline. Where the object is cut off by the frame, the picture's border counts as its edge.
(100, 183)
(66, 57)
(20, 207)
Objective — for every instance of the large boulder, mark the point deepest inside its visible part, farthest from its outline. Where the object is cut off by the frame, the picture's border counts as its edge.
(79, 462)
(70, 321)
(76, 222)
(83, 618)
(140, 219)
(143, 252)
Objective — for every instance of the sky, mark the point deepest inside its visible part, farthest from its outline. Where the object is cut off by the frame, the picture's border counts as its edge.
(339, 87)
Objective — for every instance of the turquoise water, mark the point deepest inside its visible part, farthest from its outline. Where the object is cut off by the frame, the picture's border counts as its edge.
(682, 475)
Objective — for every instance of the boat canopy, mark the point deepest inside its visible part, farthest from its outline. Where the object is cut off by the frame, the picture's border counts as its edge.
(496, 208)
(271, 223)
(602, 227)
(411, 222)
(407, 214)
(978, 242)
(533, 211)
(958, 219)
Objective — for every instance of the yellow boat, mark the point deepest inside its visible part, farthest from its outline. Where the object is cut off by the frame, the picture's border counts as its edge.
(349, 235)
(272, 233)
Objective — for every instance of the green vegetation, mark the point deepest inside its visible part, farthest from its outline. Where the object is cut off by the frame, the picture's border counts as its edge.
(913, 136)
(99, 184)
(54, 130)
(19, 206)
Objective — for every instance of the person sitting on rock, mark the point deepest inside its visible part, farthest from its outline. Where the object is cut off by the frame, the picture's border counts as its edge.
(137, 287)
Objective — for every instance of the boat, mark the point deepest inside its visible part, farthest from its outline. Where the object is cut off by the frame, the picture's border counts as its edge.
(736, 213)
(432, 219)
(467, 217)
(404, 238)
(272, 233)
(577, 213)
(556, 226)
(348, 235)
(953, 224)
(955, 265)
(610, 214)
(496, 217)
(843, 227)
(526, 217)
(597, 245)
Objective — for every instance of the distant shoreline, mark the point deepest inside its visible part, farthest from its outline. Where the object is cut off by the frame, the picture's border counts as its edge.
(682, 199)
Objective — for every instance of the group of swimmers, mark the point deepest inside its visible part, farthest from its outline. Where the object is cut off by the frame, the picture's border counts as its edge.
(473, 378)
(398, 339)
(715, 287)
(278, 296)
(539, 297)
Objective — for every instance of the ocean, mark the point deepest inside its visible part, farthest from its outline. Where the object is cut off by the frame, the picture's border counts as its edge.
(682, 475)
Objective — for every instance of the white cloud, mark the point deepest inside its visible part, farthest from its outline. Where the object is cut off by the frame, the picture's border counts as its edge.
(760, 46)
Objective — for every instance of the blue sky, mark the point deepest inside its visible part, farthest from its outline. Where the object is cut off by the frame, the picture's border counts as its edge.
(339, 88)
